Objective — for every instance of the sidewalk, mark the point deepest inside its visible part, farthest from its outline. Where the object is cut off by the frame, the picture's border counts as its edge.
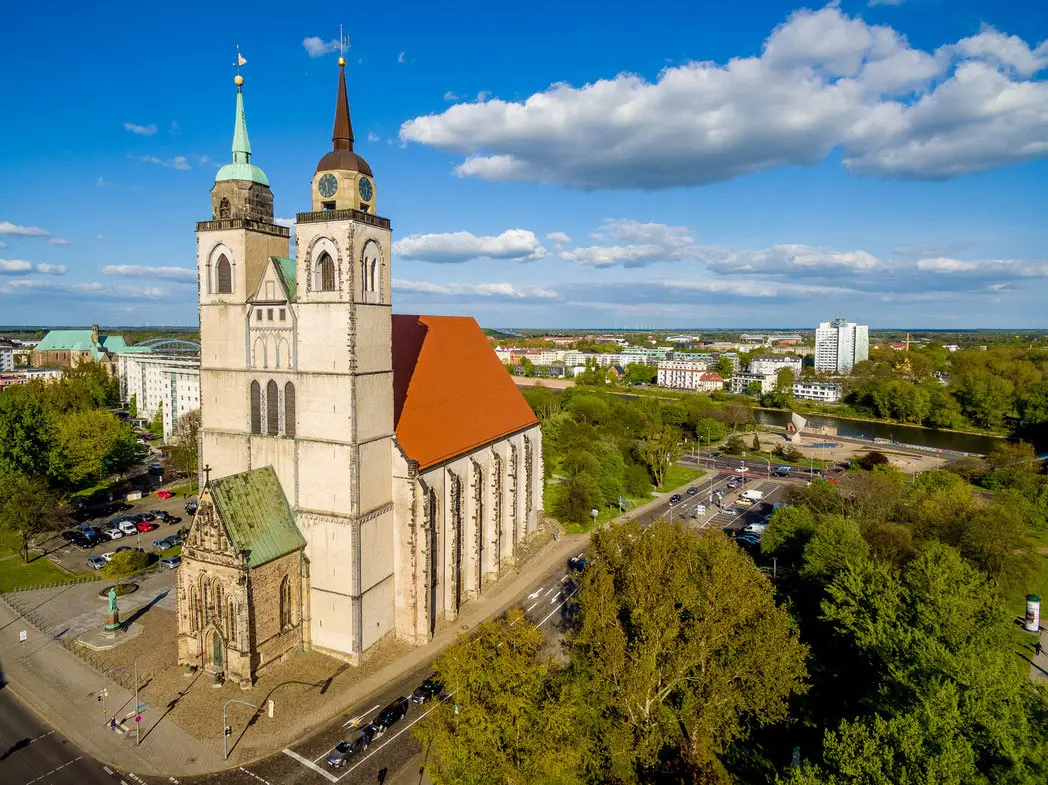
(1039, 663)
(65, 690)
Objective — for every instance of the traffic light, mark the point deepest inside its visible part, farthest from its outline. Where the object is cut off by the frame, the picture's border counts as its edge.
(229, 731)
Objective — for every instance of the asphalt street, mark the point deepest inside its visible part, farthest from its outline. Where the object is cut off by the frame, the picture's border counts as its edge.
(34, 753)
(305, 763)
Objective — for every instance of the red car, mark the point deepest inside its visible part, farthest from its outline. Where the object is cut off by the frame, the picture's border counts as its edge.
(164, 494)
(146, 526)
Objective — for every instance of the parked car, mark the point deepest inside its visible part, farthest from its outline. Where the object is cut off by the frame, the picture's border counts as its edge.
(143, 516)
(96, 562)
(146, 526)
(170, 562)
(391, 714)
(128, 527)
(577, 563)
(191, 508)
(427, 690)
(162, 544)
(358, 741)
(113, 533)
(70, 535)
(155, 468)
(164, 493)
(166, 517)
(748, 541)
(675, 498)
(692, 490)
(756, 528)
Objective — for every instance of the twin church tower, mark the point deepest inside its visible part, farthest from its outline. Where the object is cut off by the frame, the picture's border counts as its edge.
(365, 473)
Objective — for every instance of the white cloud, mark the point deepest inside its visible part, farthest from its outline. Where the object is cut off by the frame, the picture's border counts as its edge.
(13, 230)
(373, 137)
(175, 128)
(786, 259)
(507, 290)
(59, 241)
(450, 95)
(178, 162)
(101, 182)
(143, 271)
(823, 81)
(100, 237)
(921, 251)
(401, 58)
(483, 96)
(558, 237)
(318, 47)
(874, 3)
(517, 244)
(1013, 268)
(140, 130)
(52, 269)
(15, 266)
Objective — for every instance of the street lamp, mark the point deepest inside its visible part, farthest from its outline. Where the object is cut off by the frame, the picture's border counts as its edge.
(594, 512)
(227, 731)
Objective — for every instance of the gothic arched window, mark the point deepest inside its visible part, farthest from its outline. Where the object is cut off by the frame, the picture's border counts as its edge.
(223, 208)
(224, 275)
(194, 610)
(285, 602)
(256, 408)
(326, 273)
(272, 409)
(289, 410)
(369, 270)
(217, 592)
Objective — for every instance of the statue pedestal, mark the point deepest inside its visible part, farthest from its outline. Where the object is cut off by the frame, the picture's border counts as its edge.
(113, 627)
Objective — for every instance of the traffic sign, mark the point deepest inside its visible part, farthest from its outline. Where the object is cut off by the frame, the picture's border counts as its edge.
(138, 718)
(22, 636)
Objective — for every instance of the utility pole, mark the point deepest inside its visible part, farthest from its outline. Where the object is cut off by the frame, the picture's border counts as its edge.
(138, 711)
(227, 731)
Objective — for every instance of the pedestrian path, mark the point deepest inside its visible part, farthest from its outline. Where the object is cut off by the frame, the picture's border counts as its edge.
(1039, 662)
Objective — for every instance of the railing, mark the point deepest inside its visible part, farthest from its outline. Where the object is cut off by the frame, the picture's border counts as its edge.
(343, 215)
(243, 223)
(88, 578)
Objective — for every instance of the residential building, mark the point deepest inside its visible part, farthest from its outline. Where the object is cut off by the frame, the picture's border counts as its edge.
(368, 472)
(7, 356)
(739, 384)
(685, 378)
(773, 363)
(828, 392)
(167, 383)
(839, 345)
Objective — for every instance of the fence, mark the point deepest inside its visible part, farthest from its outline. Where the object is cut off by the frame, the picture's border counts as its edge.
(88, 578)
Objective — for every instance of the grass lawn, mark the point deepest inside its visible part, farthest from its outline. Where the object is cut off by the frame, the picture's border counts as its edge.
(176, 551)
(678, 476)
(14, 574)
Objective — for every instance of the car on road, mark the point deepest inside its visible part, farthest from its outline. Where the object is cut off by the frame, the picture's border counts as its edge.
(778, 473)
(358, 741)
(733, 483)
(155, 468)
(191, 508)
(577, 563)
(171, 562)
(146, 526)
(427, 690)
(756, 529)
(748, 541)
(692, 490)
(675, 498)
(391, 714)
(164, 494)
(97, 562)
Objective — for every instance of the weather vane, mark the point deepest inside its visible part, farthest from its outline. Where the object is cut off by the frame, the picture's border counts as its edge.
(343, 44)
(241, 60)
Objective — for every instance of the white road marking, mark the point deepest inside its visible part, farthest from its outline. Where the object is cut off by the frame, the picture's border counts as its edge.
(551, 591)
(311, 765)
(107, 770)
(554, 599)
(361, 716)
(359, 762)
(556, 609)
(564, 579)
(531, 606)
(70, 763)
(536, 593)
(252, 774)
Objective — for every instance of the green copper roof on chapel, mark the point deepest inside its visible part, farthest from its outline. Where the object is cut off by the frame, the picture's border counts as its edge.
(257, 516)
(287, 270)
(241, 168)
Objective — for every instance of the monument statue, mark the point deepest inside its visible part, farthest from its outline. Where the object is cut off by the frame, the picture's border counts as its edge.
(112, 599)
(113, 627)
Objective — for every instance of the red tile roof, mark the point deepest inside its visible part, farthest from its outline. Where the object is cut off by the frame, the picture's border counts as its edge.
(450, 392)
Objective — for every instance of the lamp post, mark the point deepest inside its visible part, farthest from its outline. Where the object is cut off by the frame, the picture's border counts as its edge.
(226, 730)
(768, 461)
(594, 512)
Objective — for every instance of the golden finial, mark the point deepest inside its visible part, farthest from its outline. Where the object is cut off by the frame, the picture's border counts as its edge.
(238, 80)
(342, 62)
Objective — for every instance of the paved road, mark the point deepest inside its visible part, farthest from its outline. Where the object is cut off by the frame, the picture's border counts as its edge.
(31, 751)
(397, 752)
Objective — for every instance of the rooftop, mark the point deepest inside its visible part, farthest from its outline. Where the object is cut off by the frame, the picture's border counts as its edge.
(256, 514)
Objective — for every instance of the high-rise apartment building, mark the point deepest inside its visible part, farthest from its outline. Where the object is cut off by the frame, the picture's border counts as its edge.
(839, 345)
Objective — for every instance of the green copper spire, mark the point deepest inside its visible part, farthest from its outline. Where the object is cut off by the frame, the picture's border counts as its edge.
(241, 168)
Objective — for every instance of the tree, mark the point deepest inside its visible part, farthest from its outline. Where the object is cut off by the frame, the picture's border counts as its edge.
(542, 400)
(640, 373)
(132, 407)
(577, 497)
(26, 507)
(637, 481)
(126, 563)
(756, 446)
(754, 389)
(681, 648)
(156, 425)
(511, 720)
(873, 458)
(659, 450)
(724, 367)
(184, 443)
(781, 395)
(734, 445)
(736, 414)
(527, 366)
(27, 431)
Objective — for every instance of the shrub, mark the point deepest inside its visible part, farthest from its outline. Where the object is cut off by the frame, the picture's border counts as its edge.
(127, 563)
(734, 445)
(873, 458)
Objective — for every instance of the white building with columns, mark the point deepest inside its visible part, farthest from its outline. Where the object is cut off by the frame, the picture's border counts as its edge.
(410, 462)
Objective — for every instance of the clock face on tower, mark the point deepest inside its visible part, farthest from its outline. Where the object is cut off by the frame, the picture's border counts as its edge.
(365, 188)
(327, 186)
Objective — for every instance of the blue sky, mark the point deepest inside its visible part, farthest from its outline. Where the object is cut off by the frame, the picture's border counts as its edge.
(567, 165)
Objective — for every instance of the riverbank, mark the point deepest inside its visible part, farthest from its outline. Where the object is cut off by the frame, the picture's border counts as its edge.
(834, 414)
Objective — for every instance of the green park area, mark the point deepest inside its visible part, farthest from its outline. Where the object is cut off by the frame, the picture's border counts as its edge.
(14, 574)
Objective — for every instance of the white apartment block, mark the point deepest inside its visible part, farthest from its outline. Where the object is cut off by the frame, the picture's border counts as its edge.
(7, 358)
(827, 392)
(773, 363)
(739, 384)
(839, 345)
(160, 380)
(689, 379)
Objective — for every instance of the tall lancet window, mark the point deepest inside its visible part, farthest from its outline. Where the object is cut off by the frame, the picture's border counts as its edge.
(256, 408)
(272, 409)
(223, 208)
(325, 273)
(224, 276)
(289, 410)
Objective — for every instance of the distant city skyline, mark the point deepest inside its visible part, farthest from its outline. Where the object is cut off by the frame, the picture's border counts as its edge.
(743, 165)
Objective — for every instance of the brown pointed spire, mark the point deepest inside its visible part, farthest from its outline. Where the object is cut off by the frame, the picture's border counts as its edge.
(342, 136)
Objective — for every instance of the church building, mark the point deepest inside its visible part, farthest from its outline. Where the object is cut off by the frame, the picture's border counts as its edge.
(365, 473)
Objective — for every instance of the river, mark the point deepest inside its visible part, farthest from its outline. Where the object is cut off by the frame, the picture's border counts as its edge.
(906, 434)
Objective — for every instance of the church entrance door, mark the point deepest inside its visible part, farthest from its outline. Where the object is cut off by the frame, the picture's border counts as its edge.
(216, 651)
